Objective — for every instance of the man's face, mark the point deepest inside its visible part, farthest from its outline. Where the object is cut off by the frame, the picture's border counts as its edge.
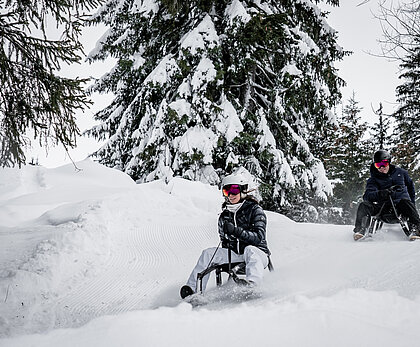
(382, 166)
(384, 169)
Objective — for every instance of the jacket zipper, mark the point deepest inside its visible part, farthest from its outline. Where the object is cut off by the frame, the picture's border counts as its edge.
(237, 240)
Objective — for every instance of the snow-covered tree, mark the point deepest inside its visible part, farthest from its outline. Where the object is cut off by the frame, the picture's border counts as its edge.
(33, 95)
(408, 113)
(203, 87)
(349, 164)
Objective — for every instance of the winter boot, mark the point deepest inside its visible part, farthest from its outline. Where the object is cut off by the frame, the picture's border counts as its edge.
(245, 283)
(414, 232)
(359, 232)
(186, 291)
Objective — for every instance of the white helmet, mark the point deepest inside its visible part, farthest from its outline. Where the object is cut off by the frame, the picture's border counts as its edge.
(235, 179)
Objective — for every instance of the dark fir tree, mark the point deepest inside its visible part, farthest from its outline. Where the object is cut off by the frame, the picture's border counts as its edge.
(33, 96)
(203, 87)
(351, 159)
(381, 130)
(407, 134)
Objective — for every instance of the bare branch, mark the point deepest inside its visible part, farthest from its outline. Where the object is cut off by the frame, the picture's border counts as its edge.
(363, 2)
(400, 23)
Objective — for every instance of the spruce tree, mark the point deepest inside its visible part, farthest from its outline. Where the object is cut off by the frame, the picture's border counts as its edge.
(350, 162)
(33, 96)
(407, 134)
(381, 131)
(203, 87)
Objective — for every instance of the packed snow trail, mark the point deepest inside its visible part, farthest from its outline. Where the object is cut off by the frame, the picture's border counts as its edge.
(79, 257)
(137, 269)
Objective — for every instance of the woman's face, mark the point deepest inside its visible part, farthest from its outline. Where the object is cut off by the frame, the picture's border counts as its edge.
(234, 199)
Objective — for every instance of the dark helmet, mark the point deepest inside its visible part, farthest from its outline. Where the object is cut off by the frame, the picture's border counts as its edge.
(381, 155)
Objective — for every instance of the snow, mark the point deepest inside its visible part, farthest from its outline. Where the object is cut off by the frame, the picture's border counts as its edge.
(229, 123)
(292, 70)
(236, 10)
(98, 46)
(181, 107)
(196, 40)
(197, 139)
(263, 6)
(89, 258)
(305, 44)
(205, 72)
(267, 138)
(162, 73)
(146, 6)
(322, 185)
(138, 61)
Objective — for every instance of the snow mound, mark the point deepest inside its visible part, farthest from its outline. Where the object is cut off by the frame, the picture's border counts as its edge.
(28, 192)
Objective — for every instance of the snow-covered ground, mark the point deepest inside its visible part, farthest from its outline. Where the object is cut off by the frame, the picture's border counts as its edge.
(90, 258)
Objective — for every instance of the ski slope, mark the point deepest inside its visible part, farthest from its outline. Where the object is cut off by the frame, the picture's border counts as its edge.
(90, 258)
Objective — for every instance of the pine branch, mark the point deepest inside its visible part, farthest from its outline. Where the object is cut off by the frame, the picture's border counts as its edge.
(32, 95)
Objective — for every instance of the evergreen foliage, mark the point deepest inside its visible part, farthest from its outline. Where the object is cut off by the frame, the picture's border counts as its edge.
(407, 144)
(32, 95)
(203, 87)
(381, 130)
(349, 164)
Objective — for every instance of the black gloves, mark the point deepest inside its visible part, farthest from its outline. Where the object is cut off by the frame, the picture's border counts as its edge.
(383, 194)
(396, 189)
(230, 230)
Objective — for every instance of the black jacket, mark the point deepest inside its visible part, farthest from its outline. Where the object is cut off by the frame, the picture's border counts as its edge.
(252, 220)
(380, 181)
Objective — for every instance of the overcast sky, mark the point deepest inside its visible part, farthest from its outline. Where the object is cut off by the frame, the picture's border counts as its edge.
(373, 79)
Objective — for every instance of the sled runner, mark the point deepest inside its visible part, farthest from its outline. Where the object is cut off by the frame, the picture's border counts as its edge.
(235, 291)
(232, 269)
(389, 217)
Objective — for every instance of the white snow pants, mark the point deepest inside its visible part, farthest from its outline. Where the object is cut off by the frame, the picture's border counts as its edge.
(255, 259)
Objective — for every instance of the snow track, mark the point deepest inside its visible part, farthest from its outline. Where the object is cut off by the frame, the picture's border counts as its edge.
(136, 270)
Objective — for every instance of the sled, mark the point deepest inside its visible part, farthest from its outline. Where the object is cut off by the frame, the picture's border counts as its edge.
(388, 217)
(234, 270)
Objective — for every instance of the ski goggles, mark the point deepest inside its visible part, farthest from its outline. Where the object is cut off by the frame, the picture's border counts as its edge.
(231, 189)
(383, 163)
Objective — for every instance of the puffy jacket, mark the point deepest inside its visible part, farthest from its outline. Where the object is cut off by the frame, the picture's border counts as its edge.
(252, 220)
(380, 181)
